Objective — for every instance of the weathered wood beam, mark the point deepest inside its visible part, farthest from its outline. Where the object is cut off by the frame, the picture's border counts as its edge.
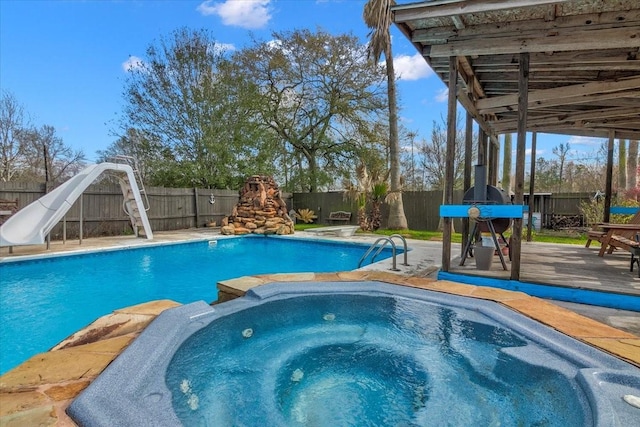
(557, 41)
(450, 161)
(506, 29)
(446, 8)
(532, 180)
(558, 61)
(553, 118)
(468, 154)
(559, 75)
(578, 99)
(468, 104)
(597, 57)
(458, 22)
(622, 123)
(468, 75)
(559, 95)
(608, 178)
(596, 133)
(523, 93)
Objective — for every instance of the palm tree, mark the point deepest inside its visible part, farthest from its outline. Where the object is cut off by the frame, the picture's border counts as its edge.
(368, 192)
(377, 16)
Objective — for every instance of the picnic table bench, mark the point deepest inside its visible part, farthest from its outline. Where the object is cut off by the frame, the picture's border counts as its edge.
(7, 208)
(340, 216)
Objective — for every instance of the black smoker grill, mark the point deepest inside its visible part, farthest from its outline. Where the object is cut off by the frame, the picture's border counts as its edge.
(482, 194)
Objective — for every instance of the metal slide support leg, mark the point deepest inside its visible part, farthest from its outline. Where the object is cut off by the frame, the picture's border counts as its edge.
(470, 240)
(497, 245)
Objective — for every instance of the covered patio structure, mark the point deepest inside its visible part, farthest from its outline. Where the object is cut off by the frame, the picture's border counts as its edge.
(540, 66)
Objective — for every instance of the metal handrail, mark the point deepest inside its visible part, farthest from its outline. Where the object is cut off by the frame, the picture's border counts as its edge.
(404, 244)
(373, 246)
(133, 162)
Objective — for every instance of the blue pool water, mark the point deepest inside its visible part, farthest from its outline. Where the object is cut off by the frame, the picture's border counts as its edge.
(44, 301)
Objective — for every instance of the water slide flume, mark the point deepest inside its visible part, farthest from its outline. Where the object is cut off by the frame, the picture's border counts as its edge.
(31, 224)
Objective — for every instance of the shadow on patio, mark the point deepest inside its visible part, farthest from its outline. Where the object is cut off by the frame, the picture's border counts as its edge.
(568, 266)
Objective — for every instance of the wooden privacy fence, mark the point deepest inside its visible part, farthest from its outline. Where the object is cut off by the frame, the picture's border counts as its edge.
(103, 215)
(182, 208)
(422, 208)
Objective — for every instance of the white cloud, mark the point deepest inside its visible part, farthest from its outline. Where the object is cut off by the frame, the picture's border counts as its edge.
(250, 14)
(411, 67)
(586, 141)
(442, 95)
(132, 64)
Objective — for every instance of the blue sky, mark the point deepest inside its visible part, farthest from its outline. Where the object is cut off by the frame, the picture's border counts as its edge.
(65, 61)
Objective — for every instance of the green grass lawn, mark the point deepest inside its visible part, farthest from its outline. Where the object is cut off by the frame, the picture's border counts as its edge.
(546, 236)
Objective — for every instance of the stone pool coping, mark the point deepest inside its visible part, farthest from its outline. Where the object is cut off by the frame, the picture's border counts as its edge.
(38, 391)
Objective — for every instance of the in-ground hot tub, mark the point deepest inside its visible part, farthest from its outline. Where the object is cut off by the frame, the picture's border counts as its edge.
(356, 353)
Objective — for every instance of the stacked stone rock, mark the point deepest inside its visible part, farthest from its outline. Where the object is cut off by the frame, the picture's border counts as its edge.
(260, 210)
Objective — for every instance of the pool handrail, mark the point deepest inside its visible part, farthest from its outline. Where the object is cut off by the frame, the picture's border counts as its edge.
(374, 245)
(404, 242)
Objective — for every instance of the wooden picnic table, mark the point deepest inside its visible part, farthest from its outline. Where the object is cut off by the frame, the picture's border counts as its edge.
(612, 229)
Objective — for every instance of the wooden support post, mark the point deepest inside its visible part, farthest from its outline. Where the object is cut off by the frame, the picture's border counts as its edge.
(81, 226)
(195, 206)
(532, 180)
(493, 161)
(468, 151)
(523, 101)
(450, 157)
(609, 178)
(482, 147)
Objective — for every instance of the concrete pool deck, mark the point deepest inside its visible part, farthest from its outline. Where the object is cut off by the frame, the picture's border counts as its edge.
(38, 391)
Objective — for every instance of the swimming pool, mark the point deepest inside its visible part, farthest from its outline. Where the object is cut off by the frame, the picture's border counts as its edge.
(356, 353)
(43, 301)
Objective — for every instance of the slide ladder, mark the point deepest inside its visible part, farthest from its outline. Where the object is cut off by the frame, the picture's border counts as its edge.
(131, 161)
(130, 205)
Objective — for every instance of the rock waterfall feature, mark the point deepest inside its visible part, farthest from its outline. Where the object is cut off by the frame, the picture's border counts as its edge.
(260, 210)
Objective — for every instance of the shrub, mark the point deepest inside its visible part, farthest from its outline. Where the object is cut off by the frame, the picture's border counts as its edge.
(306, 215)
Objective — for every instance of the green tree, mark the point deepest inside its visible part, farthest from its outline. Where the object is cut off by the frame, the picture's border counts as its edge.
(434, 159)
(319, 97)
(562, 151)
(151, 156)
(546, 175)
(184, 97)
(377, 16)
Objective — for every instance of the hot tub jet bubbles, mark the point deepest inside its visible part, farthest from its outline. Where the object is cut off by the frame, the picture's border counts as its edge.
(192, 399)
(185, 386)
(193, 402)
(329, 317)
(297, 375)
(247, 333)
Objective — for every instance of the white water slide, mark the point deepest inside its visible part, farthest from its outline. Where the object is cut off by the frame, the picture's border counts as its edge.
(31, 224)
